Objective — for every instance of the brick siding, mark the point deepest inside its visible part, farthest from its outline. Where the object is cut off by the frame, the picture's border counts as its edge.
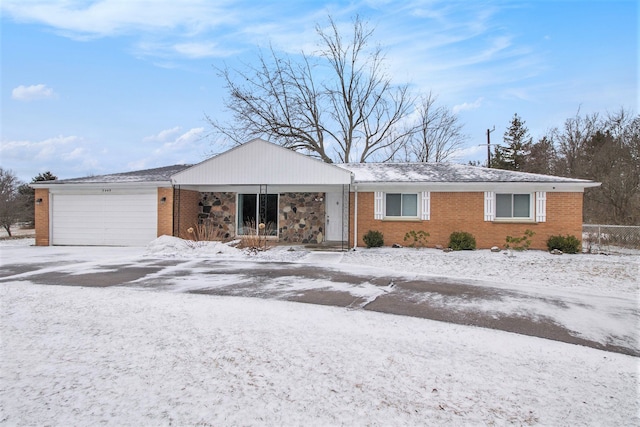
(165, 212)
(186, 214)
(42, 217)
(464, 211)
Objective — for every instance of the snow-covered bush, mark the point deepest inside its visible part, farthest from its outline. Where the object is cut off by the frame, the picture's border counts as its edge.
(373, 239)
(568, 244)
(462, 241)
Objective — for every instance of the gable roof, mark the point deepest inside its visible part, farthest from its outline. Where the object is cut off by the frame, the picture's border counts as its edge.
(262, 162)
(446, 173)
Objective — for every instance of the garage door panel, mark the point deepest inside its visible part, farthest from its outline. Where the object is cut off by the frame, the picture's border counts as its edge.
(104, 219)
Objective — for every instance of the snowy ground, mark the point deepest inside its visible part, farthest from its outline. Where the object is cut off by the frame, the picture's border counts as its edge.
(78, 356)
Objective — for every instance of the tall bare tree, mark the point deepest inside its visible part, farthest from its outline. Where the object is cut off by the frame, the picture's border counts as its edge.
(436, 135)
(338, 104)
(571, 139)
(609, 158)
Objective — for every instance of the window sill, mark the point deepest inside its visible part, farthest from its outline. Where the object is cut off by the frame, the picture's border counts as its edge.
(514, 221)
(401, 219)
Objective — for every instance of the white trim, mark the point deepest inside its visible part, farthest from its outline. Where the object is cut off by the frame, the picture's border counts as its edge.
(499, 187)
(355, 217)
(541, 206)
(489, 206)
(425, 214)
(378, 205)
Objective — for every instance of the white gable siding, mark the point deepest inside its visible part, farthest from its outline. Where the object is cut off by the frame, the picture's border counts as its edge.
(261, 162)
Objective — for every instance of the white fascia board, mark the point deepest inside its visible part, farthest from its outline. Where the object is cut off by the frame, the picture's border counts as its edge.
(102, 186)
(249, 189)
(510, 187)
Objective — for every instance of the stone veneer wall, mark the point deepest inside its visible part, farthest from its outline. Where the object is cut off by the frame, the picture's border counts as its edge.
(219, 209)
(302, 217)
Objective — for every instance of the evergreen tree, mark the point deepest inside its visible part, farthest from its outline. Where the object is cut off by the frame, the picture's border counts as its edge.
(517, 142)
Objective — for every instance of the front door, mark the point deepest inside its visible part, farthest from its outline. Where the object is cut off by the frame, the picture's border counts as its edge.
(334, 217)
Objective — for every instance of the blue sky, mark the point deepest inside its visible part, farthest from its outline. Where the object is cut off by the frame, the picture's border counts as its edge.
(94, 87)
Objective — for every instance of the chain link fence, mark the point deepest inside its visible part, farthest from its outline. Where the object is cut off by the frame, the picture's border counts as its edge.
(611, 239)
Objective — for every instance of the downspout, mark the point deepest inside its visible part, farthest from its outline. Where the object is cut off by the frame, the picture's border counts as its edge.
(355, 217)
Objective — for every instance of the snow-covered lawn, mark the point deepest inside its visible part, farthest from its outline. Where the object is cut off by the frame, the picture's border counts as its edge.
(80, 356)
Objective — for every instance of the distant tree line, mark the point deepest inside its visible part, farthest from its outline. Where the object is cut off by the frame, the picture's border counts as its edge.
(605, 149)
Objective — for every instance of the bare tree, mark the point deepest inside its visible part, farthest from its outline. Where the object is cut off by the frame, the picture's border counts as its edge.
(337, 105)
(11, 203)
(609, 159)
(437, 135)
(571, 140)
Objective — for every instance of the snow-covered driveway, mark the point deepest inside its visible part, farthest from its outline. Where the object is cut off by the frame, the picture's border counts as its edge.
(594, 317)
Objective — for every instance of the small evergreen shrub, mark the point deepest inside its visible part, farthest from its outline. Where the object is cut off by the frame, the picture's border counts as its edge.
(462, 241)
(568, 244)
(416, 238)
(519, 243)
(373, 239)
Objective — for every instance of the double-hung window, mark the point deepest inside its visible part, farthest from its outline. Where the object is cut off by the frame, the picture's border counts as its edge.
(401, 205)
(514, 206)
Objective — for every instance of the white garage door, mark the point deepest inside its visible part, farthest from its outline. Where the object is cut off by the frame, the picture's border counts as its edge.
(104, 219)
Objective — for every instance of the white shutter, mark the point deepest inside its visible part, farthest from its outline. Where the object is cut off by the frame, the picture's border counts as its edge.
(378, 205)
(541, 206)
(426, 206)
(489, 206)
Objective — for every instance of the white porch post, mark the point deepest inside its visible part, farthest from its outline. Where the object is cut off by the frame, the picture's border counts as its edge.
(355, 217)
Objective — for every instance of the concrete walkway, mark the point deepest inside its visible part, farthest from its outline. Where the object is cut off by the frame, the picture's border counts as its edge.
(332, 284)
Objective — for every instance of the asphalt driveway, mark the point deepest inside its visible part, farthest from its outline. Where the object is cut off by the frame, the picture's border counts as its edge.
(430, 298)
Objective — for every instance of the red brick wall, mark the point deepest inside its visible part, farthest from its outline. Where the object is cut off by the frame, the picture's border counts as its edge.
(455, 211)
(165, 212)
(42, 217)
(186, 215)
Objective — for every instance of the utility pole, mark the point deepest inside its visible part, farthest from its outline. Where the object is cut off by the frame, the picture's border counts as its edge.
(489, 146)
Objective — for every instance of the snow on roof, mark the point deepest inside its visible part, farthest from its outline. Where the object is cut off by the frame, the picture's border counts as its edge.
(147, 175)
(443, 172)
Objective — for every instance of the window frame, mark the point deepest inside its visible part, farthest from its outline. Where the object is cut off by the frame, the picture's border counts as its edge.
(529, 217)
(401, 216)
(239, 214)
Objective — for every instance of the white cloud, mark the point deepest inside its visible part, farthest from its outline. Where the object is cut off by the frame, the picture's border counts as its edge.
(163, 135)
(33, 92)
(65, 156)
(465, 106)
(187, 140)
(174, 147)
(104, 18)
(199, 50)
